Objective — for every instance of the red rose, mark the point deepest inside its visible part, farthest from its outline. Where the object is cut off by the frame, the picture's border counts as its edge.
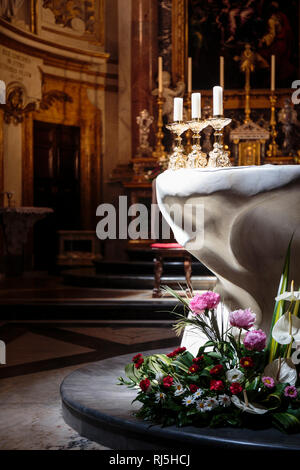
(145, 384)
(138, 363)
(246, 362)
(168, 381)
(176, 352)
(193, 388)
(137, 357)
(171, 354)
(198, 359)
(216, 369)
(235, 388)
(216, 385)
(193, 369)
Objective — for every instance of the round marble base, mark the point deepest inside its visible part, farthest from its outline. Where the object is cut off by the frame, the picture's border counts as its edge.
(99, 409)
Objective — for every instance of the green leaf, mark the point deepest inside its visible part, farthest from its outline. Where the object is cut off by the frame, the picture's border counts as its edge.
(254, 384)
(272, 346)
(286, 422)
(133, 373)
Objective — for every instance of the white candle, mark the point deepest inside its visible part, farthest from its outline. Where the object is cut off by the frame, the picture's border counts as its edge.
(218, 100)
(273, 73)
(222, 71)
(189, 75)
(178, 107)
(196, 105)
(160, 70)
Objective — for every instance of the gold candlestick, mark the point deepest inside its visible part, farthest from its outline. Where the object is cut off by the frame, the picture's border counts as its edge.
(159, 152)
(197, 158)
(189, 132)
(273, 147)
(218, 156)
(177, 158)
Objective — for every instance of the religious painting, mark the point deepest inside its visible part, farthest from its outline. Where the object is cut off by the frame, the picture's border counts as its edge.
(223, 27)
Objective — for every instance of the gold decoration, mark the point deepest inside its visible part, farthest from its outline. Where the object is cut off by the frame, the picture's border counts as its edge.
(249, 141)
(247, 66)
(188, 135)
(177, 158)
(273, 147)
(219, 157)
(196, 158)
(159, 153)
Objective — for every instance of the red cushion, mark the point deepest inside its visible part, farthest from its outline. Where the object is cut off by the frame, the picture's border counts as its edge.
(166, 245)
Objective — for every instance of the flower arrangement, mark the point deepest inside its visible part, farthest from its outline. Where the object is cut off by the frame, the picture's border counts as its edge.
(236, 379)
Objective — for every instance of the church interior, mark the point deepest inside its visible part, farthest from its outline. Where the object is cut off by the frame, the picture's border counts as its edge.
(104, 105)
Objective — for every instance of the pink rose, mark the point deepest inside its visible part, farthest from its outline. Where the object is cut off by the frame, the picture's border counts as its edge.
(255, 340)
(201, 302)
(242, 318)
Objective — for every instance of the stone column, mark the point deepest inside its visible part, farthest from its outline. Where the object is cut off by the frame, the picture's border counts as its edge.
(144, 53)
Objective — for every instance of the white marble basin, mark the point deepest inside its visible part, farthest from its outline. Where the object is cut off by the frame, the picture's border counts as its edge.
(250, 214)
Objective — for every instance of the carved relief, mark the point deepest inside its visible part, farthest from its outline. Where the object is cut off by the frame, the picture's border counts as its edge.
(16, 106)
(76, 14)
(54, 95)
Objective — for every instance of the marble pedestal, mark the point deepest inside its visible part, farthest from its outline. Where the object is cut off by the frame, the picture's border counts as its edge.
(99, 409)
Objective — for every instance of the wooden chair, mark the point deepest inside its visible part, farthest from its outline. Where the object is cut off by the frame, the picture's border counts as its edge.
(169, 250)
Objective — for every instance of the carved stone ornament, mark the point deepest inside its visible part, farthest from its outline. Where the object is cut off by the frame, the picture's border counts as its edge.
(54, 95)
(16, 106)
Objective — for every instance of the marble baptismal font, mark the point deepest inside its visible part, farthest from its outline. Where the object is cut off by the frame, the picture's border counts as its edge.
(249, 217)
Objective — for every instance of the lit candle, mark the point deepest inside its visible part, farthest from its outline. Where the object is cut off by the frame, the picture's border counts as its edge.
(196, 105)
(189, 75)
(222, 71)
(273, 73)
(160, 70)
(218, 100)
(178, 107)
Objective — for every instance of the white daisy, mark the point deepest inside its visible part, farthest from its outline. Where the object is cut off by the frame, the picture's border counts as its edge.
(234, 375)
(198, 393)
(201, 406)
(179, 389)
(159, 377)
(159, 396)
(224, 400)
(211, 403)
(188, 400)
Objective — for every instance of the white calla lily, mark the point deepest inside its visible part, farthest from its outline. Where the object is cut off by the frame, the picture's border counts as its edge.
(249, 408)
(285, 372)
(286, 328)
(288, 296)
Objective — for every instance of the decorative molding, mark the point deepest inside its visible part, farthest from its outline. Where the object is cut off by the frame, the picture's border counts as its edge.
(54, 95)
(179, 39)
(40, 43)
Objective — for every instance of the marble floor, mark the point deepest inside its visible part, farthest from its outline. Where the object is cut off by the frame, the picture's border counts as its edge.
(39, 356)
